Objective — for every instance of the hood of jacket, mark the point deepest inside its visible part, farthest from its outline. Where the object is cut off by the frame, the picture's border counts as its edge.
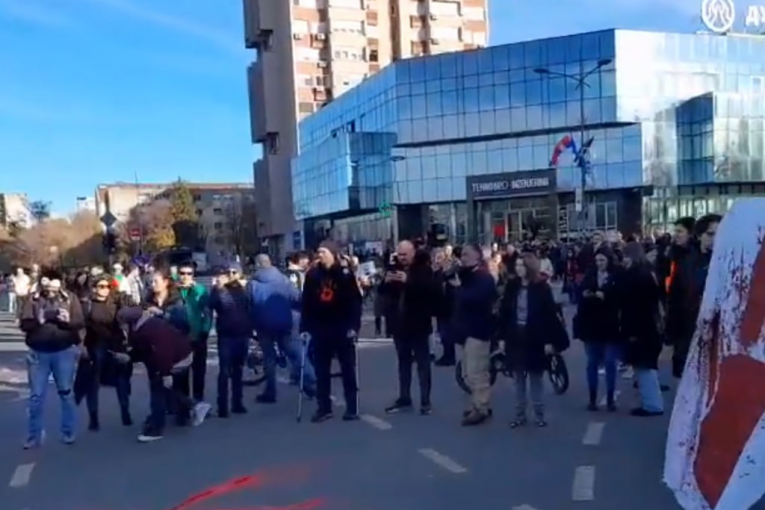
(268, 275)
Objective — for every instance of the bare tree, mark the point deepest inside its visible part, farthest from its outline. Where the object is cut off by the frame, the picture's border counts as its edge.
(241, 224)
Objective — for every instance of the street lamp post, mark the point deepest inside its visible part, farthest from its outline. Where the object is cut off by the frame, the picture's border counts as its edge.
(581, 83)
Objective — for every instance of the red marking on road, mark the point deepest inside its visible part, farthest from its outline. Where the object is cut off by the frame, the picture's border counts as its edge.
(738, 394)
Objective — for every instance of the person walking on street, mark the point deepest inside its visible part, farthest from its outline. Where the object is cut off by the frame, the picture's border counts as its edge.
(412, 292)
(331, 317)
(52, 321)
(19, 286)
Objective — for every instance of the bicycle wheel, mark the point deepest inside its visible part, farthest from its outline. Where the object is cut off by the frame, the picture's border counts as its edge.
(558, 373)
(494, 368)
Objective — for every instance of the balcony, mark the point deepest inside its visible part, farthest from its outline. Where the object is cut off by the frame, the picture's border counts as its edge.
(260, 21)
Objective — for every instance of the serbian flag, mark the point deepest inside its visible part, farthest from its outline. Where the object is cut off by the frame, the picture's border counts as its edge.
(715, 454)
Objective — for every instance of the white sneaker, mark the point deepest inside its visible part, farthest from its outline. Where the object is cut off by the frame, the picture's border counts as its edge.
(148, 438)
(199, 413)
(629, 373)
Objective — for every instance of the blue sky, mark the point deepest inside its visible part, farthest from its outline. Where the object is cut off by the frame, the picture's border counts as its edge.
(101, 90)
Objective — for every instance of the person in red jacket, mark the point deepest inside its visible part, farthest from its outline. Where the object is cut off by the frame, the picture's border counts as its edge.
(166, 352)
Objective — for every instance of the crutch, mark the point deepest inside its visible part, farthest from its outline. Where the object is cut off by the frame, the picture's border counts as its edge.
(305, 341)
(357, 370)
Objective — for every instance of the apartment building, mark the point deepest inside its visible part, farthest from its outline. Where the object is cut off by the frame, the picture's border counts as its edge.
(15, 209)
(312, 51)
(224, 210)
(85, 204)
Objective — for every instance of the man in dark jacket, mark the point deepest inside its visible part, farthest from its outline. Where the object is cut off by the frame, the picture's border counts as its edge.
(331, 316)
(687, 289)
(166, 352)
(231, 304)
(411, 291)
(52, 320)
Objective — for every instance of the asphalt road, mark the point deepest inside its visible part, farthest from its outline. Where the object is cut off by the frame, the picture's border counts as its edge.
(592, 461)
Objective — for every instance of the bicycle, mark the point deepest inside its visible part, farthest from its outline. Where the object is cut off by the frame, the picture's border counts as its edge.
(557, 371)
(255, 362)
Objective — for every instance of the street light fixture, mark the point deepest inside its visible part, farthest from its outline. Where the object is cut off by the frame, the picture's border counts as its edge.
(581, 84)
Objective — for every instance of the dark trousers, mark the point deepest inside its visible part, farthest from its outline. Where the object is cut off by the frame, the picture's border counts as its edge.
(194, 384)
(162, 400)
(325, 349)
(409, 350)
(232, 354)
(120, 377)
(447, 340)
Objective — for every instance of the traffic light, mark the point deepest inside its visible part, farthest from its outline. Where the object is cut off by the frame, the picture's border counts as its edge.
(110, 242)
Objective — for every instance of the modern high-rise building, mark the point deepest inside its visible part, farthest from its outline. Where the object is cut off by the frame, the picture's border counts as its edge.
(312, 51)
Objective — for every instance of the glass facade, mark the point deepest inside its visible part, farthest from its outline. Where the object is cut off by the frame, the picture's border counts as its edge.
(669, 110)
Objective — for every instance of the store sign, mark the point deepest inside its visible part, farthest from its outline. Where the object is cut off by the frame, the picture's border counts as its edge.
(720, 16)
(511, 184)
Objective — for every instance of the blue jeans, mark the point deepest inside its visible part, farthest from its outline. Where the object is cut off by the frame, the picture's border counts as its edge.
(232, 354)
(62, 365)
(649, 388)
(292, 348)
(607, 355)
(101, 358)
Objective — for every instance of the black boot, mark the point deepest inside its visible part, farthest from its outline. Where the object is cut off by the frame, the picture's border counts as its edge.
(593, 405)
(93, 424)
(127, 420)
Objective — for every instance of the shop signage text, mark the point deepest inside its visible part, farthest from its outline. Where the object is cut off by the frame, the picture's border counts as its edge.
(512, 184)
(720, 16)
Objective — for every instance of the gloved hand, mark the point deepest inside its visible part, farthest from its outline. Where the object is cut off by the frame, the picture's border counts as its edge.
(305, 337)
(167, 381)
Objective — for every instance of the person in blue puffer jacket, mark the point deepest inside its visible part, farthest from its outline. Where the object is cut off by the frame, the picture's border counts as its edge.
(272, 299)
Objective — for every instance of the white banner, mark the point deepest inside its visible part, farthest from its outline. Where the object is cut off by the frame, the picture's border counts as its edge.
(715, 454)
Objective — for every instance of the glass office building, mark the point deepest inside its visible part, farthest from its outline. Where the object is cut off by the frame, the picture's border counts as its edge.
(472, 145)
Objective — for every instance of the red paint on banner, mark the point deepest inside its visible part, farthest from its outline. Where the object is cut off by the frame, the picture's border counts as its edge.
(735, 390)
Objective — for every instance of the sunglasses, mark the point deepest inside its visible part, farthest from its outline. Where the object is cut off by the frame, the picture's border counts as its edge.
(186, 273)
(103, 286)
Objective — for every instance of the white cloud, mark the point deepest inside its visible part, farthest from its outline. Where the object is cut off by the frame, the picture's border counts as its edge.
(221, 39)
(33, 11)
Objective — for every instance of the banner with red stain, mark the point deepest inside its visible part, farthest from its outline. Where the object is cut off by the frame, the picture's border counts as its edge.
(715, 454)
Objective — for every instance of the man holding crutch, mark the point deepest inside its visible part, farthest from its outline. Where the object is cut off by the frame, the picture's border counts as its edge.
(331, 318)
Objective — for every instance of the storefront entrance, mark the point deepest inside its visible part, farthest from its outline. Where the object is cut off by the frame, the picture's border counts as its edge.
(504, 221)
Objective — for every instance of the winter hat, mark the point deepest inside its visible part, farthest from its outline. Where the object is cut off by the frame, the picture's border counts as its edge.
(332, 247)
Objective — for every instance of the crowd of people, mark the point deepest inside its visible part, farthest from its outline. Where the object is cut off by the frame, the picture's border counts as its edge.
(632, 297)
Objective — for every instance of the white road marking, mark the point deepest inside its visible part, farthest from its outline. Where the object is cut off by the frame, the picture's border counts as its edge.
(594, 433)
(604, 401)
(442, 461)
(524, 507)
(376, 422)
(583, 488)
(13, 347)
(21, 476)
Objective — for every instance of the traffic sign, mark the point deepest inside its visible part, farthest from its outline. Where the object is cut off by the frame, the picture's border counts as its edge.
(108, 219)
(135, 233)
